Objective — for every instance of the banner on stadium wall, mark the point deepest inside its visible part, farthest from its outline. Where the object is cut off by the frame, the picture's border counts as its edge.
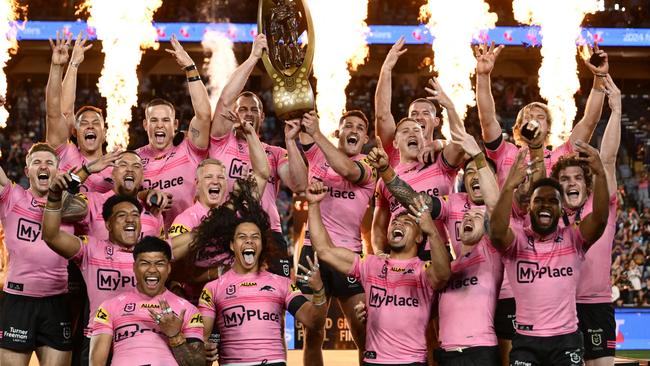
(337, 331)
(632, 328)
(378, 34)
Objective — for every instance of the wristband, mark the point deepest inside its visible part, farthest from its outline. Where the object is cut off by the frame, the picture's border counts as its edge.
(535, 147)
(479, 160)
(189, 68)
(384, 169)
(194, 78)
(74, 64)
(48, 209)
(319, 300)
(601, 75)
(318, 291)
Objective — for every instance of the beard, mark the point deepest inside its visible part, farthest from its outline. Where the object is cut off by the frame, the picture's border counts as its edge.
(543, 230)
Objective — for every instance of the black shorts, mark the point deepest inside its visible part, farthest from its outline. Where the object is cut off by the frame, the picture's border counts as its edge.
(504, 318)
(336, 284)
(598, 327)
(562, 350)
(30, 322)
(472, 356)
(281, 263)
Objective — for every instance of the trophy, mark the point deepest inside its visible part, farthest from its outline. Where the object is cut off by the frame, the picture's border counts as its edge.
(288, 62)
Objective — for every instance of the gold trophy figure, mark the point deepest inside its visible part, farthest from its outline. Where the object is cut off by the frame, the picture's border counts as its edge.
(288, 62)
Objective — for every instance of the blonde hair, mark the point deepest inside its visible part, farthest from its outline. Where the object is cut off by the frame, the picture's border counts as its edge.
(209, 161)
(516, 129)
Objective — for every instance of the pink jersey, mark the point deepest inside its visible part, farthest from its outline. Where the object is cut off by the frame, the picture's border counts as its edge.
(504, 157)
(106, 268)
(453, 208)
(343, 225)
(544, 277)
(137, 339)
(150, 224)
(248, 311)
(475, 279)
(34, 269)
(173, 171)
(70, 157)
(234, 154)
(190, 219)
(594, 283)
(399, 297)
(435, 180)
(393, 155)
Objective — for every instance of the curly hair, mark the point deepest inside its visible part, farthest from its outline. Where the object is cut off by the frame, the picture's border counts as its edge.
(217, 230)
(569, 161)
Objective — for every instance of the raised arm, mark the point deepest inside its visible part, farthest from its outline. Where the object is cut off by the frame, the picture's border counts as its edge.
(340, 259)
(64, 244)
(312, 314)
(220, 124)
(259, 161)
(200, 124)
(384, 121)
(486, 177)
(56, 132)
(452, 153)
(594, 107)
(4, 180)
(294, 174)
(70, 80)
(612, 136)
(485, 59)
(439, 271)
(337, 159)
(500, 233)
(593, 226)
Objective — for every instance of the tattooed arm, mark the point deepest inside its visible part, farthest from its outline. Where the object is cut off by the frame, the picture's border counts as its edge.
(190, 353)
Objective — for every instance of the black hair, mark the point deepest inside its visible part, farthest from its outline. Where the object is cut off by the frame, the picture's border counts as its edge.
(107, 208)
(150, 244)
(489, 161)
(355, 113)
(217, 230)
(546, 182)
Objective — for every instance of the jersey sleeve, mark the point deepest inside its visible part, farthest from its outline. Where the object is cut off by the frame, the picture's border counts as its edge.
(193, 151)
(280, 155)
(393, 155)
(369, 174)
(380, 195)
(440, 209)
(562, 150)
(207, 306)
(180, 225)
(577, 240)
(103, 320)
(8, 199)
(519, 241)
(422, 275)
(359, 267)
(293, 298)
(218, 145)
(193, 322)
(81, 258)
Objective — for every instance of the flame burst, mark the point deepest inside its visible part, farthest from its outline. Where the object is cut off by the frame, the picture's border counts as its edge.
(558, 75)
(341, 47)
(125, 28)
(454, 24)
(221, 64)
(8, 46)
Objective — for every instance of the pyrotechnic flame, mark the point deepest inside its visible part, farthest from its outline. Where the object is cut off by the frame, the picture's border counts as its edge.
(125, 29)
(221, 64)
(340, 28)
(8, 46)
(558, 76)
(454, 24)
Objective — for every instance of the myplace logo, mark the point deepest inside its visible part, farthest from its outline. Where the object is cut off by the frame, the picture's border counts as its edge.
(528, 271)
(379, 297)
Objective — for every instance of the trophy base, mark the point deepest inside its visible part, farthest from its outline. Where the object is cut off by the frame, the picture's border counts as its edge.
(292, 95)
